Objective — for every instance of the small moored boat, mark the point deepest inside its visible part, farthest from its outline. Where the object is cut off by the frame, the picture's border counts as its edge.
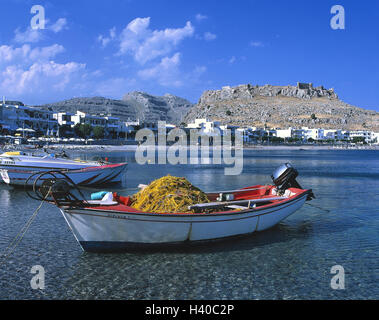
(112, 224)
(16, 168)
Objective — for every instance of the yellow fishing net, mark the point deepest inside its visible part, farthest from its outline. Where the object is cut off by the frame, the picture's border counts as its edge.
(168, 194)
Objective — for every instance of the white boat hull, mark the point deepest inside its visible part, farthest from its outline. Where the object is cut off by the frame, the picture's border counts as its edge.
(85, 176)
(16, 169)
(102, 230)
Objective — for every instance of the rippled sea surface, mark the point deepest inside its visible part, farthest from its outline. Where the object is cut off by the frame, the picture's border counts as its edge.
(290, 261)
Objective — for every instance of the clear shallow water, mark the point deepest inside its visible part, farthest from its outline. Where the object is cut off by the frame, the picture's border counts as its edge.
(290, 261)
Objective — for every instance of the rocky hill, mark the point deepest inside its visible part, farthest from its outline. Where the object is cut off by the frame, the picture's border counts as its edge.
(282, 106)
(151, 108)
(134, 106)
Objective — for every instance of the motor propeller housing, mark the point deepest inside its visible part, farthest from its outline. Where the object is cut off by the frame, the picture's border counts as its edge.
(284, 177)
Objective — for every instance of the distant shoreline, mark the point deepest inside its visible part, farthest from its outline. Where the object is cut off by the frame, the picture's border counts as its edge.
(308, 147)
(131, 148)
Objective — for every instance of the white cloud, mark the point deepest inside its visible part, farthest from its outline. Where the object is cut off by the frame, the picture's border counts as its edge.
(26, 55)
(198, 71)
(16, 80)
(35, 35)
(208, 36)
(59, 25)
(146, 44)
(27, 70)
(154, 51)
(256, 44)
(166, 72)
(9, 54)
(105, 40)
(200, 17)
(46, 53)
(139, 25)
(96, 73)
(112, 33)
(232, 60)
(28, 36)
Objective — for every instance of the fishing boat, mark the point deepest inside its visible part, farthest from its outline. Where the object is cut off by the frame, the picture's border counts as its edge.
(111, 224)
(16, 168)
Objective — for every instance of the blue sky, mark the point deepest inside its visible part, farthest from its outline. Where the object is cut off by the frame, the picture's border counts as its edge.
(109, 48)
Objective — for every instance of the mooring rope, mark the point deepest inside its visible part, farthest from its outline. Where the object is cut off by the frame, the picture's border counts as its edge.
(317, 207)
(20, 235)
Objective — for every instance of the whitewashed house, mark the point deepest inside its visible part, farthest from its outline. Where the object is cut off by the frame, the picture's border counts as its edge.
(206, 126)
(312, 133)
(283, 133)
(64, 118)
(110, 124)
(365, 134)
(13, 117)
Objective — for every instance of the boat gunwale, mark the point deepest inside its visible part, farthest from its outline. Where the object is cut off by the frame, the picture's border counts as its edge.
(49, 160)
(276, 204)
(89, 168)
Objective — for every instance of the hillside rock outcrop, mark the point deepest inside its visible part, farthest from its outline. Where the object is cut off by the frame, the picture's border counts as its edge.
(281, 107)
(151, 108)
(247, 91)
(133, 106)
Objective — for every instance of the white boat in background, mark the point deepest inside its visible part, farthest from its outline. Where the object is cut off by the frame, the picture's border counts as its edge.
(112, 224)
(16, 168)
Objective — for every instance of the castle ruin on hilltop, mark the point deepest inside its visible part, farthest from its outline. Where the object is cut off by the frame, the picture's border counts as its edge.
(248, 91)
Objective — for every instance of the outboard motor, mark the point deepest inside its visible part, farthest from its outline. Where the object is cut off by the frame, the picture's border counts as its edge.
(284, 177)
